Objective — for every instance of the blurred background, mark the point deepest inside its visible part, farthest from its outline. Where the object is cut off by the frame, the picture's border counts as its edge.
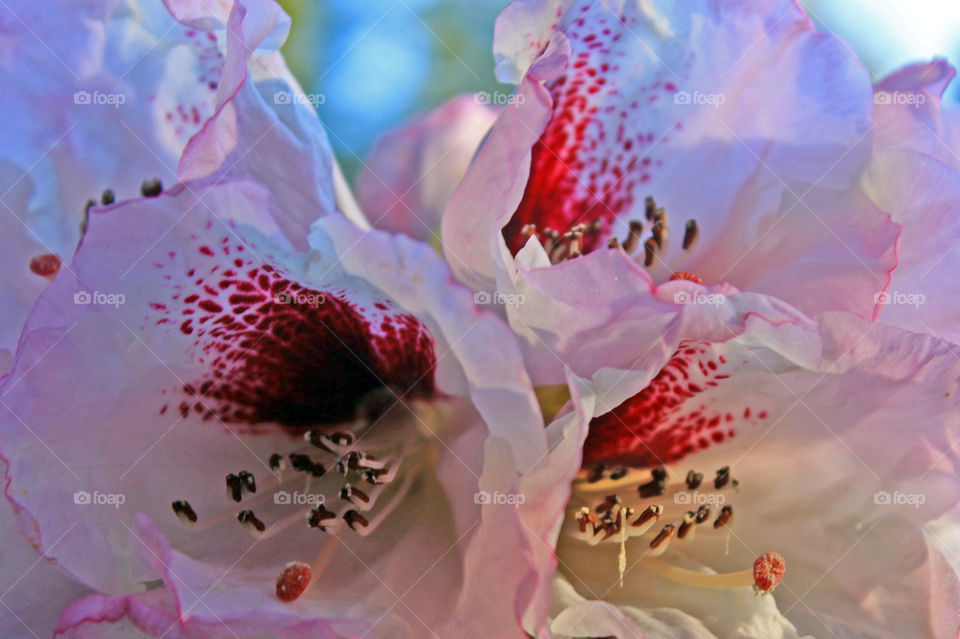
(386, 60)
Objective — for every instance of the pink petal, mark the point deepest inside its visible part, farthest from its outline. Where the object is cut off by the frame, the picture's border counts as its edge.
(412, 171)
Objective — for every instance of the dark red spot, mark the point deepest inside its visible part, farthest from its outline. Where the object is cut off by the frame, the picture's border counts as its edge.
(47, 265)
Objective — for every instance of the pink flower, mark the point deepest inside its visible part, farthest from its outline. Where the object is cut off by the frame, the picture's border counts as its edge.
(407, 180)
(335, 381)
(754, 137)
(829, 444)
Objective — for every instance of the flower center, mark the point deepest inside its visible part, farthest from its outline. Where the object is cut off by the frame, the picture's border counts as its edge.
(614, 506)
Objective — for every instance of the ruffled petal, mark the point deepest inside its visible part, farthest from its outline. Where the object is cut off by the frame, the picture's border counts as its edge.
(412, 171)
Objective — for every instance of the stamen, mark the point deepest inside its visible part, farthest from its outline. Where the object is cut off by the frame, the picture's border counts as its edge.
(248, 482)
(722, 478)
(688, 525)
(690, 235)
(649, 252)
(633, 239)
(694, 479)
(354, 519)
(107, 197)
(234, 487)
(656, 486)
(726, 514)
(662, 540)
(253, 525)
(277, 463)
(650, 207)
(766, 573)
(184, 512)
(613, 243)
(151, 188)
(703, 514)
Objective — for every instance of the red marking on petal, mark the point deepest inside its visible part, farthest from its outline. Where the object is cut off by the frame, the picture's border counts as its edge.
(276, 351)
(667, 420)
(293, 581)
(47, 265)
(768, 571)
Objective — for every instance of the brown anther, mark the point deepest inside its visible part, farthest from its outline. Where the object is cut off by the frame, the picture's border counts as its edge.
(722, 478)
(618, 473)
(633, 238)
(613, 243)
(687, 524)
(650, 207)
(659, 234)
(234, 487)
(726, 513)
(353, 495)
(651, 512)
(694, 479)
(293, 581)
(607, 504)
(47, 265)
(277, 462)
(528, 231)
(686, 275)
(665, 534)
(184, 511)
(353, 519)
(248, 481)
(373, 475)
(248, 519)
(319, 514)
(703, 514)
(107, 197)
(584, 517)
(596, 473)
(656, 486)
(151, 188)
(691, 233)
(649, 252)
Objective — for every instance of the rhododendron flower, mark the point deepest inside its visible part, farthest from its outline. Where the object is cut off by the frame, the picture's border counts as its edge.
(406, 182)
(773, 484)
(335, 383)
(726, 145)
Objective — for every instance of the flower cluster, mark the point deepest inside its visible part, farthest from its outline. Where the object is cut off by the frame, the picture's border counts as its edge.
(661, 344)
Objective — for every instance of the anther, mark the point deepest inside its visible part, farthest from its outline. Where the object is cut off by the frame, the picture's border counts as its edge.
(277, 463)
(107, 197)
(694, 479)
(656, 486)
(318, 515)
(373, 475)
(248, 481)
(618, 473)
(234, 487)
(151, 188)
(528, 231)
(703, 514)
(649, 252)
(584, 517)
(353, 495)
(596, 473)
(663, 537)
(607, 504)
(649, 516)
(686, 275)
(250, 522)
(613, 243)
(726, 514)
(354, 519)
(687, 525)
(303, 463)
(691, 233)
(293, 581)
(633, 239)
(722, 478)
(184, 512)
(650, 207)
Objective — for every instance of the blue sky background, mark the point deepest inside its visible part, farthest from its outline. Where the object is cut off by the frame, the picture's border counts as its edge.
(378, 62)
